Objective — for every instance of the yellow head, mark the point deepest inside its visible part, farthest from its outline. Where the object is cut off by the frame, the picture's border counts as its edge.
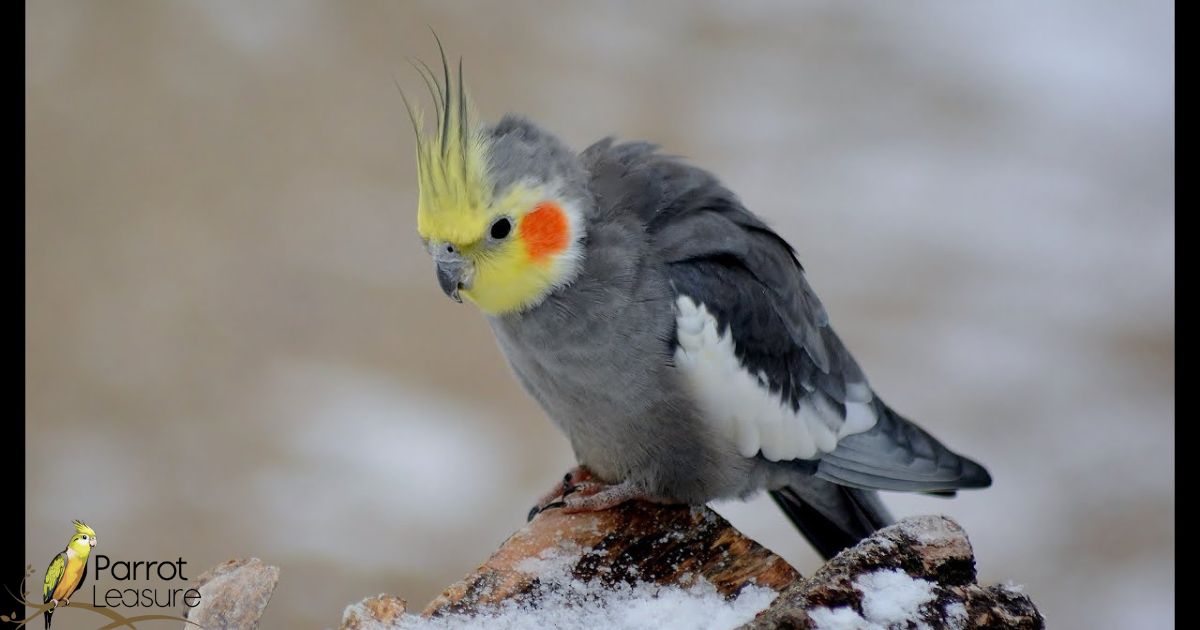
(501, 208)
(83, 540)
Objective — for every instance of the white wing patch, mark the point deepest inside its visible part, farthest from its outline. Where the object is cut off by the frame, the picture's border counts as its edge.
(740, 404)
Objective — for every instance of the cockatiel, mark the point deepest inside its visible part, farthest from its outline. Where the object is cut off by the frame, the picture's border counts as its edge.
(666, 330)
(68, 570)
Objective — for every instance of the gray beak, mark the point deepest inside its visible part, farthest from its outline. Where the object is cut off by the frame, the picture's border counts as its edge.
(453, 273)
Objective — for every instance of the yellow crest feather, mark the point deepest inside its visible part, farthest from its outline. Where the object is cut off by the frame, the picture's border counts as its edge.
(451, 162)
(82, 528)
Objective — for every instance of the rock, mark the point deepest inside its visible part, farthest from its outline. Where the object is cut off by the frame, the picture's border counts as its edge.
(373, 613)
(635, 542)
(648, 565)
(918, 571)
(233, 594)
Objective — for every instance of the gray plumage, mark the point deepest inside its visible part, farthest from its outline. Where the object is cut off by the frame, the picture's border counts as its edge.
(600, 353)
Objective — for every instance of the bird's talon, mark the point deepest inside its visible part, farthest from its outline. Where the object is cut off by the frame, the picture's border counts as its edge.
(588, 488)
(538, 509)
(567, 486)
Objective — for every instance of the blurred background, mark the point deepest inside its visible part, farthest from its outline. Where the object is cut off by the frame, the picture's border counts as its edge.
(230, 321)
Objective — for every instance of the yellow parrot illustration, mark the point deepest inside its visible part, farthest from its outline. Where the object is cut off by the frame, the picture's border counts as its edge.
(68, 570)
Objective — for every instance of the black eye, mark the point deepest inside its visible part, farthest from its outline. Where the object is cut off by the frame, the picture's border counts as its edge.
(501, 228)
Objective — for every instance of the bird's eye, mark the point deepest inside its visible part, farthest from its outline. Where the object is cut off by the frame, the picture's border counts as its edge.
(83, 538)
(501, 228)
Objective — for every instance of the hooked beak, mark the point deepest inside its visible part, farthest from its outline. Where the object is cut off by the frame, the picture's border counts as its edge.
(92, 541)
(453, 273)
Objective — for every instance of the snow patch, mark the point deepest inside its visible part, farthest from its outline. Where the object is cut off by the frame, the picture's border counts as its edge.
(566, 602)
(956, 615)
(554, 561)
(841, 618)
(929, 530)
(1013, 587)
(890, 599)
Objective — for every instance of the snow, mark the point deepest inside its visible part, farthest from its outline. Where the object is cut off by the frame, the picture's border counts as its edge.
(555, 561)
(841, 618)
(956, 615)
(929, 530)
(566, 602)
(890, 598)
(589, 605)
(1013, 587)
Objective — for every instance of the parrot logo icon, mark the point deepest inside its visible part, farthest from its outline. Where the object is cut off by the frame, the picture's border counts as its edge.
(68, 570)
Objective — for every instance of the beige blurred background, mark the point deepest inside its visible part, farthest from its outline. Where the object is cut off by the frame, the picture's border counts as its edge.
(234, 345)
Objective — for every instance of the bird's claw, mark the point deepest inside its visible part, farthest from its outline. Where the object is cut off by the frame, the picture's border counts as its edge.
(576, 479)
(538, 509)
(568, 486)
(580, 492)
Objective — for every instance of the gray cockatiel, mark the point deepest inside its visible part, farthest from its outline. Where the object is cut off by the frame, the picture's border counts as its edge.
(666, 330)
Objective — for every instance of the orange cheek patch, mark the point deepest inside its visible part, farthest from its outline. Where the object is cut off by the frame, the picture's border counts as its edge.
(545, 231)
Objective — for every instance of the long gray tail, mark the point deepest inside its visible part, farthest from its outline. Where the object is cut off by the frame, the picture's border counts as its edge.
(832, 517)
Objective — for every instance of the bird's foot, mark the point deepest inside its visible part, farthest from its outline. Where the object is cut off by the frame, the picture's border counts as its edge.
(54, 604)
(66, 602)
(570, 483)
(596, 496)
(580, 491)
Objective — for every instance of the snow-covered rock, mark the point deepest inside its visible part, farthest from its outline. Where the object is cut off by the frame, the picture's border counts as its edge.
(648, 566)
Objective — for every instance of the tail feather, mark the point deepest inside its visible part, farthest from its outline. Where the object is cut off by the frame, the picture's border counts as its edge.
(896, 454)
(832, 517)
(48, 614)
(834, 503)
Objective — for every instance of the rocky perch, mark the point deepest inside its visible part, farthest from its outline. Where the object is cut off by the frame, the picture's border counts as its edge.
(649, 566)
(233, 594)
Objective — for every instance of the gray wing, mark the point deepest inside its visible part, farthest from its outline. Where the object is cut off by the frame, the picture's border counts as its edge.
(749, 281)
(896, 454)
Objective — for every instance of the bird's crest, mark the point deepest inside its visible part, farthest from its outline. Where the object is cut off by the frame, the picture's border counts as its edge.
(451, 162)
(82, 528)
